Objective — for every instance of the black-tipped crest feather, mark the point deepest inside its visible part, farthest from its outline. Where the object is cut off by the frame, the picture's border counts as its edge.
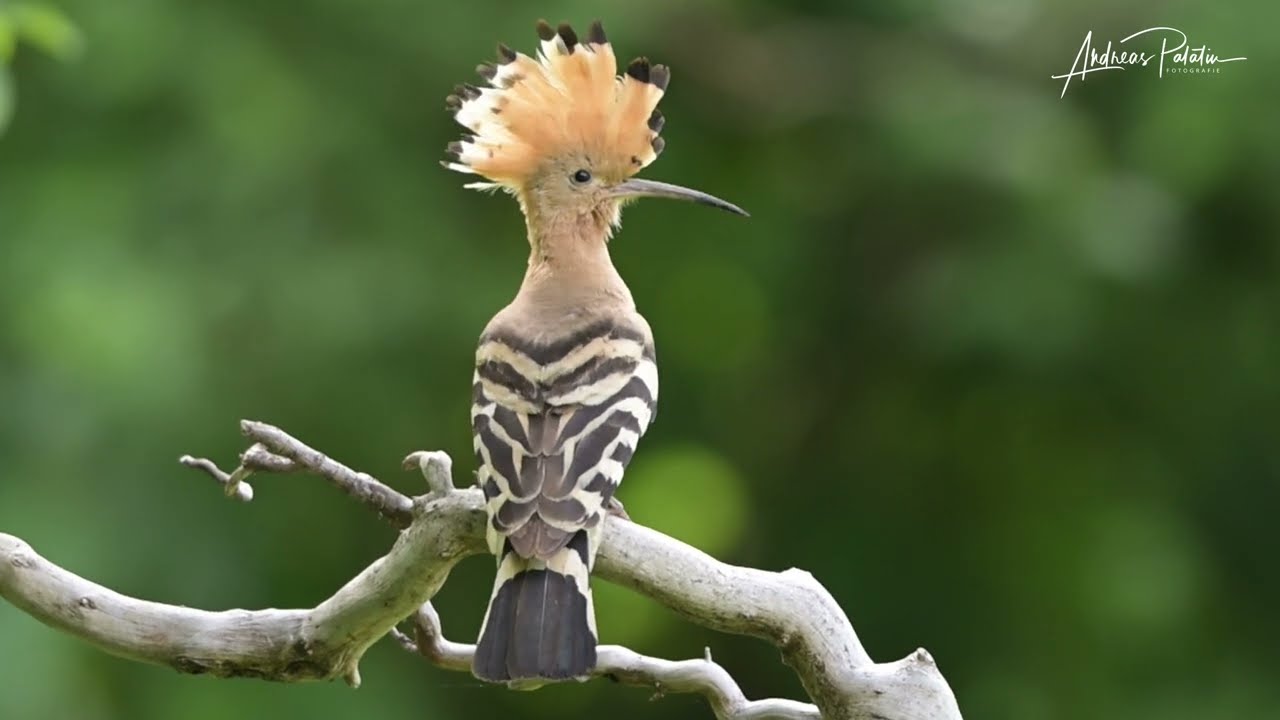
(564, 98)
(639, 69)
(595, 34)
(660, 75)
(566, 33)
(656, 121)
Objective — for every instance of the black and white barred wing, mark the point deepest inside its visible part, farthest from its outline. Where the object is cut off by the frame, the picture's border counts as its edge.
(555, 426)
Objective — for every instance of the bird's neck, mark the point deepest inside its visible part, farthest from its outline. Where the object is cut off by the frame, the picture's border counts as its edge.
(569, 261)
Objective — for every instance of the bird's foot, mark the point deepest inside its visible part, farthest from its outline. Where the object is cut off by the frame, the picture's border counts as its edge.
(615, 509)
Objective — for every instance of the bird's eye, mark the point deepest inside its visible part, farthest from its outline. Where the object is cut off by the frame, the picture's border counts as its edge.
(581, 177)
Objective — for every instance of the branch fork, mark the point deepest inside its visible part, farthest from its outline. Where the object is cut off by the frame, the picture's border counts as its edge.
(789, 609)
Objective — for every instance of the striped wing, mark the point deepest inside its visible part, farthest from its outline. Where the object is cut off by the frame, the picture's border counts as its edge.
(555, 425)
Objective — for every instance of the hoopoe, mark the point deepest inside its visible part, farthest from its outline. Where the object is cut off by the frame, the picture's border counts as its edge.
(565, 381)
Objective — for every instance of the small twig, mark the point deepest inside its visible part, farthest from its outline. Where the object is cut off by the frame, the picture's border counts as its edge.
(394, 507)
(402, 639)
(436, 467)
(260, 459)
(430, 643)
(233, 483)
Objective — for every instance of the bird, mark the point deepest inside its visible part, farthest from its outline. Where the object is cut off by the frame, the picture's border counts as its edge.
(566, 378)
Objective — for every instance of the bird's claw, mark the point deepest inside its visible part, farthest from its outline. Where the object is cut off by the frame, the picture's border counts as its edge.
(615, 509)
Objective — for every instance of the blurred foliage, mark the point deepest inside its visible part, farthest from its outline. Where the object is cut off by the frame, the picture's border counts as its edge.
(36, 24)
(999, 368)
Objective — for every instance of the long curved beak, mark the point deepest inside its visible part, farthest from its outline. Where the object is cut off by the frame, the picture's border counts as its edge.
(636, 187)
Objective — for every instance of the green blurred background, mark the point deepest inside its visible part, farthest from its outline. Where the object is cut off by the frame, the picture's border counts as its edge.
(1001, 369)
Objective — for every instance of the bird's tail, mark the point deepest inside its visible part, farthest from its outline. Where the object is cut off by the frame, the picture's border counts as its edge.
(541, 623)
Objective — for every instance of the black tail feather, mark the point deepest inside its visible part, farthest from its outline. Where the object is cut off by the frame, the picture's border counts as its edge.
(537, 628)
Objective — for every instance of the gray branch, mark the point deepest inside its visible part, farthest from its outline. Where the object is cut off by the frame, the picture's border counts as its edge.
(789, 609)
(626, 666)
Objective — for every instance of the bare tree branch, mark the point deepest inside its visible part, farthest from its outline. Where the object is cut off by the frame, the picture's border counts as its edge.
(259, 459)
(389, 504)
(233, 483)
(789, 609)
(618, 663)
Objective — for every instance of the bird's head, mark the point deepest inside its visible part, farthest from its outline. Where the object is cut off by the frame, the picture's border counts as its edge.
(564, 133)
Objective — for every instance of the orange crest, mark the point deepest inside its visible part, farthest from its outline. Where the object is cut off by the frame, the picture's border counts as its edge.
(568, 101)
